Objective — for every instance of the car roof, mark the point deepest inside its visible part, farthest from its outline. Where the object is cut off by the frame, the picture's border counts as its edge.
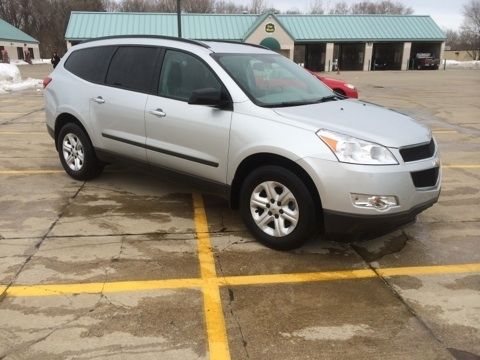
(236, 47)
(216, 46)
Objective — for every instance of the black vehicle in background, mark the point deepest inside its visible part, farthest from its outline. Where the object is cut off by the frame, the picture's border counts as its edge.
(423, 61)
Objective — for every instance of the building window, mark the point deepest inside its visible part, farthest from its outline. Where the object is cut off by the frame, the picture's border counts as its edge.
(20, 53)
(30, 50)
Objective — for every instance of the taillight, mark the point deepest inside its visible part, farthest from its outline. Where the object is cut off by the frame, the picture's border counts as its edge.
(46, 81)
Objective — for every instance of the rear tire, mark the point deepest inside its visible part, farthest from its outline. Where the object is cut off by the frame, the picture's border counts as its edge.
(277, 207)
(77, 154)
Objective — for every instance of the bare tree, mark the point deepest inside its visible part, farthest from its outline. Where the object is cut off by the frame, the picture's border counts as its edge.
(381, 7)
(258, 6)
(142, 5)
(454, 40)
(229, 7)
(471, 28)
(371, 7)
(111, 5)
(340, 8)
(316, 7)
(293, 11)
(198, 6)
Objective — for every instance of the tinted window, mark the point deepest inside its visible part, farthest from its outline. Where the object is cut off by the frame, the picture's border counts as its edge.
(90, 64)
(133, 68)
(182, 73)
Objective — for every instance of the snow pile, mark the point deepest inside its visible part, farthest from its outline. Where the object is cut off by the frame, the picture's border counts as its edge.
(454, 64)
(9, 72)
(11, 80)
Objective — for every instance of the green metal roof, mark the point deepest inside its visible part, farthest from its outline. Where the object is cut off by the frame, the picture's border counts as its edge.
(362, 27)
(302, 28)
(11, 33)
(87, 25)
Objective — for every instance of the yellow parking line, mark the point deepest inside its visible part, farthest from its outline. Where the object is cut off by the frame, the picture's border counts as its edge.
(297, 278)
(212, 303)
(207, 262)
(96, 288)
(144, 285)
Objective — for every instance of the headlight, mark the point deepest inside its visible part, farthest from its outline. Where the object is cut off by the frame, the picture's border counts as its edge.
(355, 151)
(350, 86)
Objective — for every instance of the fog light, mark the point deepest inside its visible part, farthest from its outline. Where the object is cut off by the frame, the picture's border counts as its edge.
(379, 202)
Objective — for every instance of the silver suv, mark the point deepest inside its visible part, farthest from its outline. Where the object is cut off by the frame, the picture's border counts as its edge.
(246, 123)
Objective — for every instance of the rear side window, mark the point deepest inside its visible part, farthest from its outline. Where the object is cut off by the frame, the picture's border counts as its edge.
(90, 64)
(132, 68)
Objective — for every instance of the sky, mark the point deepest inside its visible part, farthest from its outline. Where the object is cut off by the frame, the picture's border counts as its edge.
(446, 13)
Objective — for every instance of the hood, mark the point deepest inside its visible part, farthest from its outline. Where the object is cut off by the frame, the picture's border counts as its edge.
(361, 120)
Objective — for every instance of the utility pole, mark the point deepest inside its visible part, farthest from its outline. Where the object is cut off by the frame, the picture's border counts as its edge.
(179, 19)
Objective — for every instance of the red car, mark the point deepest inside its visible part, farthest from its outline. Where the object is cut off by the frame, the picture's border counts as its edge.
(339, 86)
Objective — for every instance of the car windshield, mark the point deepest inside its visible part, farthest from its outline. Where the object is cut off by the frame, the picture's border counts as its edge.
(271, 80)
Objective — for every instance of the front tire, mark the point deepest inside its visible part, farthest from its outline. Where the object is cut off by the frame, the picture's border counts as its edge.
(76, 153)
(277, 207)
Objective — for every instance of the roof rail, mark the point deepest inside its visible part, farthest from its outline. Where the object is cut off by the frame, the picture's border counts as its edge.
(239, 43)
(189, 41)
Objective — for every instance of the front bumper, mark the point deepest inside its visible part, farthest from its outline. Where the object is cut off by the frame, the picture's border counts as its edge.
(352, 226)
(336, 182)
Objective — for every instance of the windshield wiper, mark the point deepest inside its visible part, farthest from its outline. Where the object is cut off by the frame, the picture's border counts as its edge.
(292, 103)
(309, 102)
(330, 98)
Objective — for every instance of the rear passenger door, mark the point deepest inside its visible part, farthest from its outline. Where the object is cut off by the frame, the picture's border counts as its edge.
(117, 108)
(192, 139)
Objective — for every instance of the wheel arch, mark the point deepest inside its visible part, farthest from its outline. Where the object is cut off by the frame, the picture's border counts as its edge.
(260, 159)
(65, 118)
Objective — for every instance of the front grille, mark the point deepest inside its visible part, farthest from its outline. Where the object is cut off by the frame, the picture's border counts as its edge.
(425, 178)
(419, 152)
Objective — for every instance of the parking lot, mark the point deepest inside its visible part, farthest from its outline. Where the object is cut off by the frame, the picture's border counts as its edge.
(133, 266)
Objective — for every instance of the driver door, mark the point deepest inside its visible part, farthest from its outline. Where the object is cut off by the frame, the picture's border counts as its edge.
(191, 139)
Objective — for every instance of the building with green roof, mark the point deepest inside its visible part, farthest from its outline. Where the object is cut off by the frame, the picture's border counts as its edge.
(319, 42)
(16, 43)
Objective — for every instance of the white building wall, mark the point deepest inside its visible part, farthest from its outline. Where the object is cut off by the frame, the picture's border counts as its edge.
(11, 47)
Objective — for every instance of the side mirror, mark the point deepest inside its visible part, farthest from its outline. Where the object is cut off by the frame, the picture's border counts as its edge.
(210, 97)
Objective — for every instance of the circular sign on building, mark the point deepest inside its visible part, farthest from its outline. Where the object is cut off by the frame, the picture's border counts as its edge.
(270, 28)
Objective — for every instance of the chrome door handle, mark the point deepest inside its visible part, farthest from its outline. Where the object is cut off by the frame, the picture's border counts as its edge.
(99, 100)
(158, 112)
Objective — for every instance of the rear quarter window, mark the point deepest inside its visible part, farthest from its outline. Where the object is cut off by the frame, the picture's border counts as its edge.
(90, 64)
(133, 68)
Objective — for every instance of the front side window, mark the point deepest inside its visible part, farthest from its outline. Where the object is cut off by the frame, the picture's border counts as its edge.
(133, 68)
(182, 74)
(91, 63)
(271, 80)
